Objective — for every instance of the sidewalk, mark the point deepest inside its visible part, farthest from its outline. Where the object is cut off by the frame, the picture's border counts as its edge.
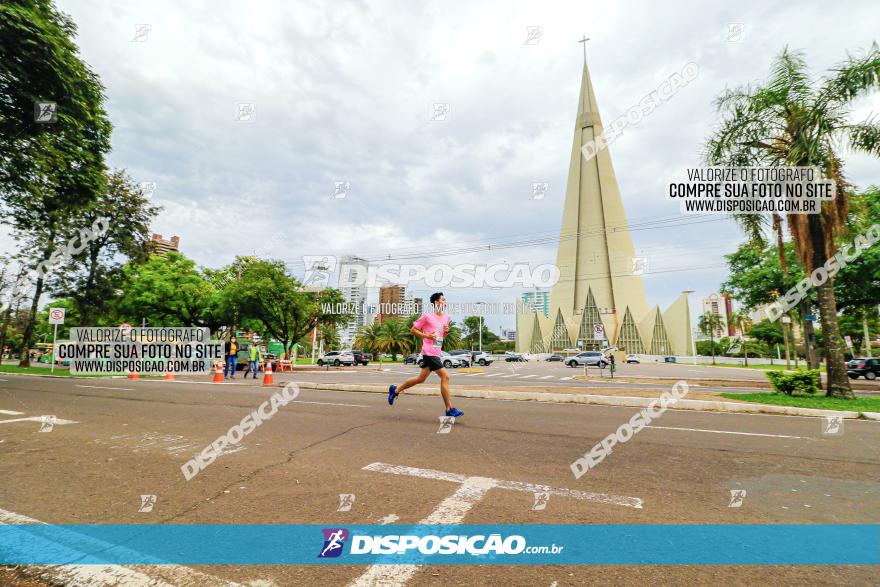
(637, 398)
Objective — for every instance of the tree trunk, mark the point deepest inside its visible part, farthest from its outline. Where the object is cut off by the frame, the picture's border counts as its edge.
(85, 309)
(838, 382)
(712, 342)
(24, 353)
(7, 317)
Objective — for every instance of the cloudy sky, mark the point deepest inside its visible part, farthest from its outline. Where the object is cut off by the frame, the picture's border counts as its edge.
(343, 92)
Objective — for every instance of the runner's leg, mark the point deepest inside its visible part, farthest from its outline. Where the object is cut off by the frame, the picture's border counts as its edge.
(420, 378)
(444, 386)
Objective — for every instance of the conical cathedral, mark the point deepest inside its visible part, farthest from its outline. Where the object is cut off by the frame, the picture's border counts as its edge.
(599, 300)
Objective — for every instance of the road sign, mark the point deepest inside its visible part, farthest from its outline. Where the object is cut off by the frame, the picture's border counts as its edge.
(848, 340)
(56, 315)
(598, 332)
(810, 317)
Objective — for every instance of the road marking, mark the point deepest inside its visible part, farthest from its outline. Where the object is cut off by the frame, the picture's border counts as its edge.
(38, 419)
(114, 574)
(10, 413)
(101, 387)
(389, 519)
(299, 401)
(454, 508)
(494, 375)
(548, 376)
(566, 378)
(725, 432)
(528, 376)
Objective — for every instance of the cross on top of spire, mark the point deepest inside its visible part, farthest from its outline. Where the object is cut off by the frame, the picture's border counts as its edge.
(584, 41)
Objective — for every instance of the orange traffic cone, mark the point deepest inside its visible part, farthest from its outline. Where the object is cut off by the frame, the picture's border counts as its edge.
(218, 373)
(133, 375)
(169, 376)
(267, 375)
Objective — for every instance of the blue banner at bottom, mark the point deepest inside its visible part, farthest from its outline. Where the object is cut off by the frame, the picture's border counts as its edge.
(465, 544)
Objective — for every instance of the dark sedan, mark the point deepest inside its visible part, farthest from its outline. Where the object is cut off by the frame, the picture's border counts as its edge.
(867, 368)
(554, 358)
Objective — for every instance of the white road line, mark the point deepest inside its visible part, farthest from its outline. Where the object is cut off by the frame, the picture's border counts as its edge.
(39, 419)
(528, 376)
(101, 387)
(566, 378)
(548, 376)
(99, 575)
(299, 401)
(725, 432)
(10, 413)
(494, 375)
(454, 508)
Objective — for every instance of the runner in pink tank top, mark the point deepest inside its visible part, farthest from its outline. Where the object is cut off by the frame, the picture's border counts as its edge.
(432, 328)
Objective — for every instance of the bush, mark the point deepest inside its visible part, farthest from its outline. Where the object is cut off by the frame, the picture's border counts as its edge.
(794, 383)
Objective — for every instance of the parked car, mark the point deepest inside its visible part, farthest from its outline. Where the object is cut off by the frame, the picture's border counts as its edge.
(336, 358)
(514, 357)
(554, 358)
(867, 368)
(413, 358)
(449, 361)
(462, 355)
(360, 357)
(597, 358)
(632, 359)
(481, 358)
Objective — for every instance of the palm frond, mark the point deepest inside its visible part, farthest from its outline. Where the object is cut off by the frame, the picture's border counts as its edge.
(855, 77)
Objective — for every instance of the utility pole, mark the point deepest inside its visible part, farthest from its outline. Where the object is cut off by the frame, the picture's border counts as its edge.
(867, 337)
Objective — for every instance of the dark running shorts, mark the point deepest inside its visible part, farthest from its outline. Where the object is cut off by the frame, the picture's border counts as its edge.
(433, 363)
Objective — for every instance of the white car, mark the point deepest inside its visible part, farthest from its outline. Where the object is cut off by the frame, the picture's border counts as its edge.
(336, 358)
(449, 361)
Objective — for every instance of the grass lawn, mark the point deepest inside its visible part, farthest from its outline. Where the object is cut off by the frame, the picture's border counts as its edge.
(819, 402)
(801, 367)
(60, 372)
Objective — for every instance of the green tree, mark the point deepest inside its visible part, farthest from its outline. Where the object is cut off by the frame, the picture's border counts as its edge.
(92, 278)
(265, 292)
(740, 319)
(788, 121)
(167, 290)
(367, 338)
(471, 332)
(48, 170)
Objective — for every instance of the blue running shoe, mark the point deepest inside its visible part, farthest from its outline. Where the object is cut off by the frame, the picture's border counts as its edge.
(392, 394)
(454, 413)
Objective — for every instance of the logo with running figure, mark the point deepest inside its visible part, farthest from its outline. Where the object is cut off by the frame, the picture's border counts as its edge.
(334, 541)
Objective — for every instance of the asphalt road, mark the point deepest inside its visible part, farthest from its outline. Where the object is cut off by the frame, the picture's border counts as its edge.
(127, 438)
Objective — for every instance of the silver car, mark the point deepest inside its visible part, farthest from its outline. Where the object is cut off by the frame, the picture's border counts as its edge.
(596, 358)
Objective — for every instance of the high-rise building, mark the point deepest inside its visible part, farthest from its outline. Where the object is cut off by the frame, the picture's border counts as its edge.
(392, 298)
(599, 298)
(352, 278)
(537, 301)
(722, 306)
(159, 246)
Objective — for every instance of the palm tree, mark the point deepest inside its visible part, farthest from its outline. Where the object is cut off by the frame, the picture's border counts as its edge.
(707, 324)
(394, 337)
(788, 121)
(367, 338)
(740, 319)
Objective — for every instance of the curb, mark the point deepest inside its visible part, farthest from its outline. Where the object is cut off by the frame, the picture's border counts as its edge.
(605, 400)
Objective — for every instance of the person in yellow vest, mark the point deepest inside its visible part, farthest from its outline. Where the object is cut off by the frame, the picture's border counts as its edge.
(254, 359)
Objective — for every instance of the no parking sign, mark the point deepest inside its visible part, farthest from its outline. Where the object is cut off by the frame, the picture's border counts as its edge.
(56, 315)
(598, 332)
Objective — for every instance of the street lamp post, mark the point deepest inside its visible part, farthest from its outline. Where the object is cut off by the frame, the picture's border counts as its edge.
(480, 304)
